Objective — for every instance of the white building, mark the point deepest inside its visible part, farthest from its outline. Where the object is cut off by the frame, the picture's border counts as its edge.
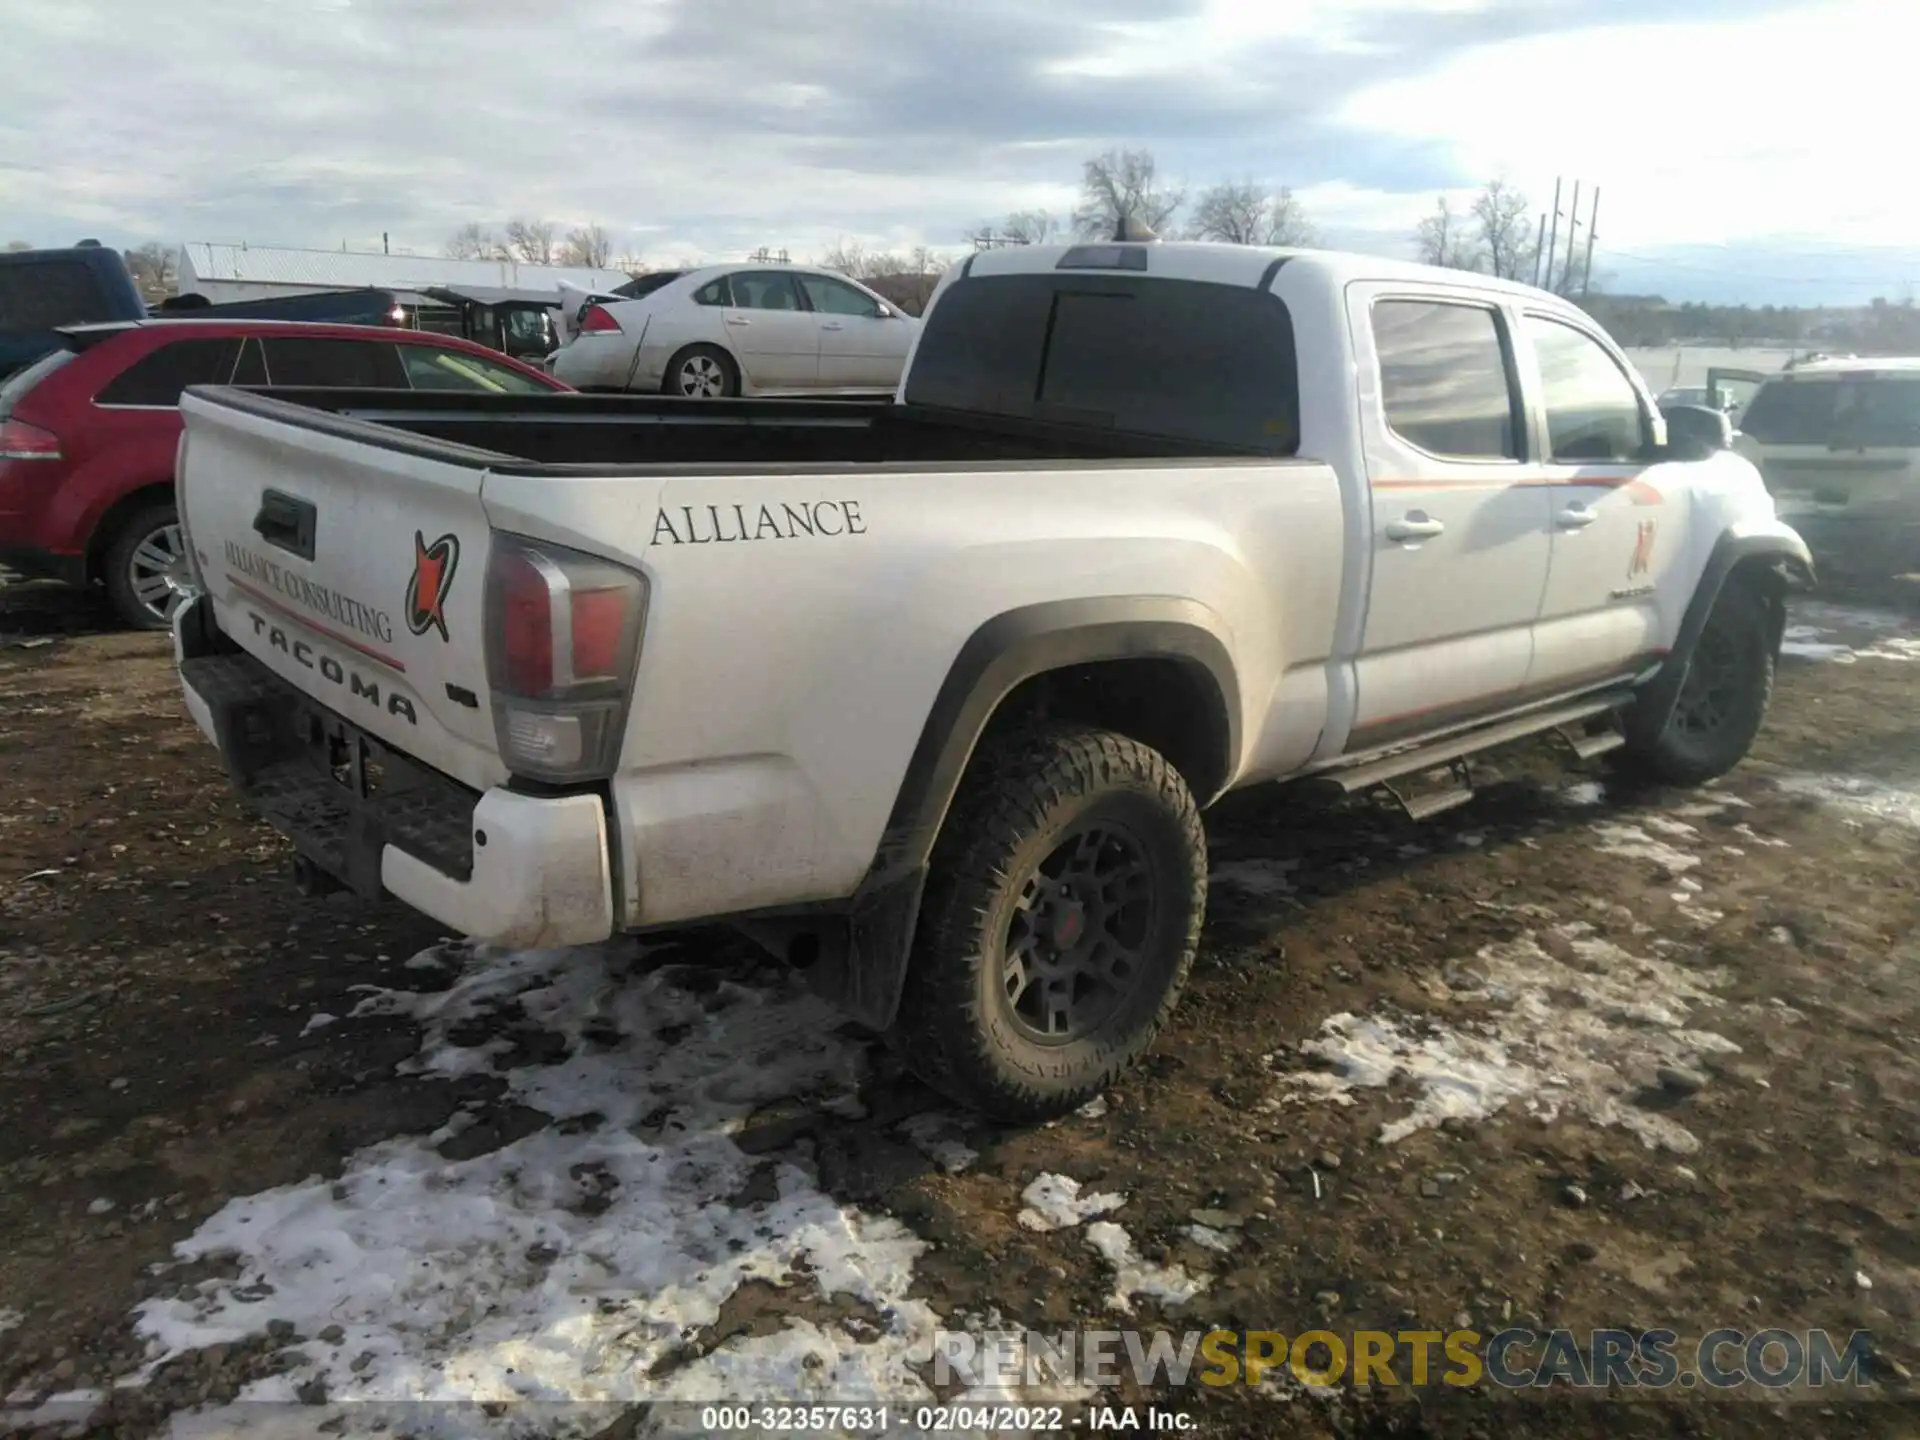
(225, 273)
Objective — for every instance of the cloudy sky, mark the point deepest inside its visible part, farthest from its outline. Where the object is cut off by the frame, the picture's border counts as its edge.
(1741, 153)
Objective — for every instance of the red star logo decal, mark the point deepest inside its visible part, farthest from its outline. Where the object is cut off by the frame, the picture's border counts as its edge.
(433, 567)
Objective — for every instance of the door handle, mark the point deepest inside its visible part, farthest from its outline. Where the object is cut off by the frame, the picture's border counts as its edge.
(1414, 525)
(832, 325)
(287, 522)
(1575, 517)
(738, 320)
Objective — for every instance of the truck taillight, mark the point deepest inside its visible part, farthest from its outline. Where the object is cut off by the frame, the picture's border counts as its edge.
(563, 644)
(595, 320)
(21, 441)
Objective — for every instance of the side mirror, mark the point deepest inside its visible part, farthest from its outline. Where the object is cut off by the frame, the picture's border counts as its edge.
(1697, 431)
(886, 312)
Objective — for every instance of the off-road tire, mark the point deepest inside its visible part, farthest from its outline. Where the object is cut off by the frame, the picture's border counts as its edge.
(1026, 799)
(116, 563)
(670, 383)
(1730, 677)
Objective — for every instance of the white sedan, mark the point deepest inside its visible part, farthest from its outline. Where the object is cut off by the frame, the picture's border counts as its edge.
(740, 330)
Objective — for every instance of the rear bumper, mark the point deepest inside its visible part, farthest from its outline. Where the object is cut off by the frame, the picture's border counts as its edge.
(513, 869)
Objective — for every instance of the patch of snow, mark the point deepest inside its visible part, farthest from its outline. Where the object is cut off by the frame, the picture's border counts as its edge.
(1804, 642)
(1056, 1202)
(567, 1265)
(1583, 792)
(1169, 1284)
(1207, 1238)
(1754, 837)
(1846, 617)
(1634, 843)
(318, 1021)
(1874, 798)
(935, 1136)
(1255, 877)
(11, 1319)
(1579, 1035)
(1673, 829)
(1094, 1109)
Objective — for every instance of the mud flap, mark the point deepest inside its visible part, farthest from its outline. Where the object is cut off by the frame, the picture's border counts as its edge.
(865, 976)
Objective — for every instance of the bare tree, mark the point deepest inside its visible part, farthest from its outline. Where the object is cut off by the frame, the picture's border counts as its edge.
(1022, 227)
(154, 268)
(474, 241)
(531, 241)
(14, 246)
(1442, 239)
(1501, 232)
(1124, 185)
(849, 257)
(1245, 214)
(633, 263)
(590, 245)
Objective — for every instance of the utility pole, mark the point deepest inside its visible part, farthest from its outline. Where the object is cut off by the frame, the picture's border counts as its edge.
(1553, 239)
(1593, 223)
(1539, 245)
(1573, 239)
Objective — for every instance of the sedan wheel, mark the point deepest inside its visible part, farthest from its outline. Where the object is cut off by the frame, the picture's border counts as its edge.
(701, 378)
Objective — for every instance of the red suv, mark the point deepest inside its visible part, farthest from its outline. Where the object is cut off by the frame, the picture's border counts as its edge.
(88, 433)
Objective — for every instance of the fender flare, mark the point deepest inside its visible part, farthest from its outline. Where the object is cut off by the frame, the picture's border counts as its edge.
(1786, 554)
(866, 976)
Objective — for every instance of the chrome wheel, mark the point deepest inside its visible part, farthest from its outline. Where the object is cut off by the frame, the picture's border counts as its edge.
(157, 570)
(702, 378)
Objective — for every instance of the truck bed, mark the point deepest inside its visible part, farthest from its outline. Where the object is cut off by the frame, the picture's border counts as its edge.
(619, 432)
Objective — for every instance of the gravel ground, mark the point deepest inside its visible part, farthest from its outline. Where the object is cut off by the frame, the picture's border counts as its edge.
(1573, 1055)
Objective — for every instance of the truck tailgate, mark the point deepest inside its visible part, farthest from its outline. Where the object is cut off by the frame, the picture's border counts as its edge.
(351, 562)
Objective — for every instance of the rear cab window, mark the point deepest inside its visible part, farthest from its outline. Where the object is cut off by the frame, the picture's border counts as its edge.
(45, 294)
(1446, 378)
(1191, 361)
(157, 378)
(1857, 410)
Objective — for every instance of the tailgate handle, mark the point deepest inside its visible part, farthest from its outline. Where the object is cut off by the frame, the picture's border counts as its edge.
(287, 521)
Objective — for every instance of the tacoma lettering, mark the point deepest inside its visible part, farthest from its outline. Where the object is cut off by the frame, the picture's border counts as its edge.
(302, 653)
(724, 524)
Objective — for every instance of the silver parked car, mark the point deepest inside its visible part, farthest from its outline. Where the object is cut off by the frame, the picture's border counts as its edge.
(740, 330)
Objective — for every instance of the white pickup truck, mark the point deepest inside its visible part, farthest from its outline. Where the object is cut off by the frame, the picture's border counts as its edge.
(928, 695)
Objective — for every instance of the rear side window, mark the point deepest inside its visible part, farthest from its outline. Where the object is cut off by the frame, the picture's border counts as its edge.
(714, 292)
(1444, 382)
(14, 388)
(158, 377)
(1593, 410)
(252, 369)
(1212, 364)
(43, 294)
(336, 364)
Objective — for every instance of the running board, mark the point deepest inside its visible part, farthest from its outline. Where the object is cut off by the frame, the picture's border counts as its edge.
(1453, 748)
(1593, 744)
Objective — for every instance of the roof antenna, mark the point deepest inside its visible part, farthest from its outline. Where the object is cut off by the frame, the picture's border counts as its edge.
(1130, 231)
